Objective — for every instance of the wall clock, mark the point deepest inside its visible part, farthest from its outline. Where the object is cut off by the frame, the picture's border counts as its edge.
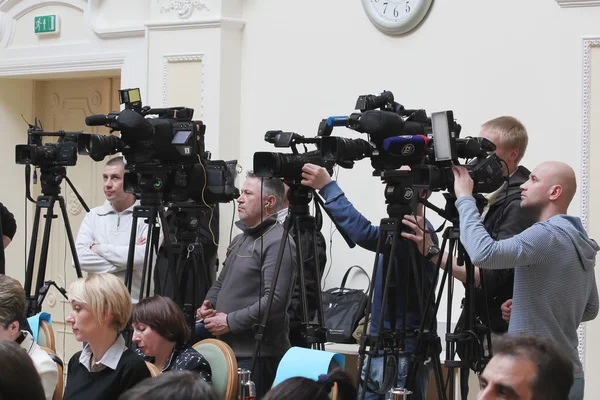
(396, 16)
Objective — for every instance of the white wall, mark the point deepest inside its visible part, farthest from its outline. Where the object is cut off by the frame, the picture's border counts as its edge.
(13, 176)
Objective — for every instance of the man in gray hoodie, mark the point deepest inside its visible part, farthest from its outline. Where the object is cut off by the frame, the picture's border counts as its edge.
(238, 299)
(555, 283)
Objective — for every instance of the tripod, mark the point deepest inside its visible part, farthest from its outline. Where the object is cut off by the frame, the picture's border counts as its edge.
(51, 178)
(394, 342)
(299, 220)
(153, 212)
(190, 254)
(472, 357)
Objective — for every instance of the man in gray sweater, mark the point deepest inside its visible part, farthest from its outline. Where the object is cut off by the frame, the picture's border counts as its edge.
(238, 299)
(555, 283)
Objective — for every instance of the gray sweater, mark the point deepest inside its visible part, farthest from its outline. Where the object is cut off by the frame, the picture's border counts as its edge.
(555, 283)
(242, 289)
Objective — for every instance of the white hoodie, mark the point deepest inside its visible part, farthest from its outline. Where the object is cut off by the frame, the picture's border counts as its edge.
(111, 231)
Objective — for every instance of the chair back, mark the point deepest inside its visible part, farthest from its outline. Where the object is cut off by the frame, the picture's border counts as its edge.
(58, 392)
(223, 365)
(334, 391)
(46, 336)
(154, 370)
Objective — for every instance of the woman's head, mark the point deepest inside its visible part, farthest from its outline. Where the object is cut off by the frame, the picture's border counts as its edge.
(18, 376)
(158, 321)
(98, 302)
(180, 385)
(299, 388)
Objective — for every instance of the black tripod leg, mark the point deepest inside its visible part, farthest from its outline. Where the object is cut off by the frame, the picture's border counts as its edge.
(302, 277)
(45, 246)
(63, 208)
(31, 261)
(131, 254)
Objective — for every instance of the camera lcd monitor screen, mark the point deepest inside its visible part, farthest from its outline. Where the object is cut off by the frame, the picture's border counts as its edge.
(181, 137)
(442, 143)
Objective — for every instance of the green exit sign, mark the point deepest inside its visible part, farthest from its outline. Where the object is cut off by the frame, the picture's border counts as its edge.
(45, 24)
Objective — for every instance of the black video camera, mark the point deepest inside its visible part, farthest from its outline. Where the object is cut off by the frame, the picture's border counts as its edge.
(165, 154)
(62, 153)
(288, 166)
(400, 137)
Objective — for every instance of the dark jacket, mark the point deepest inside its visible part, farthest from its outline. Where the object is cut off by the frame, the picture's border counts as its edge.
(243, 287)
(504, 219)
(9, 225)
(184, 358)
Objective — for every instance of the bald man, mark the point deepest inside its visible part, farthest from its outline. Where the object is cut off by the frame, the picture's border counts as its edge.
(555, 283)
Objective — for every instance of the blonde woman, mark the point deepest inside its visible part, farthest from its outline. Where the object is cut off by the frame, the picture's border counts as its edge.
(105, 368)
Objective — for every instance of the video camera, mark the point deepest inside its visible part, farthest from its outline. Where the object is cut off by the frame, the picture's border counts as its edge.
(401, 137)
(166, 157)
(289, 166)
(62, 153)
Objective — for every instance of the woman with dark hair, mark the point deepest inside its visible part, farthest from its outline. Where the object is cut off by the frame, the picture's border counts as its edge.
(299, 388)
(180, 385)
(161, 334)
(18, 376)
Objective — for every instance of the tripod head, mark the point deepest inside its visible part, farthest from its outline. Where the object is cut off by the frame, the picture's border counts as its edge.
(399, 193)
(51, 178)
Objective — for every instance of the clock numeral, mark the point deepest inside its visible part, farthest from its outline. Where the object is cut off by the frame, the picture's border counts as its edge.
(396, 11)
(385, 7)
(407, 8)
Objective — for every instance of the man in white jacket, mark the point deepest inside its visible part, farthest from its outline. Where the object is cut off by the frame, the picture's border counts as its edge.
(12, 317)
(103, 240)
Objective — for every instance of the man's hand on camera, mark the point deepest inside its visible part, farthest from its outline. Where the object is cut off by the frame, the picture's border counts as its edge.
(417, 224)
(217, 324)
(314, 176)
(463, 184)
(205, 310)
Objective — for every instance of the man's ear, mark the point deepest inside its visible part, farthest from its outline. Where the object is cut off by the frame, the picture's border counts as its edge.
(555, 192)
(514, 154)
(270, 201)
(14, 328)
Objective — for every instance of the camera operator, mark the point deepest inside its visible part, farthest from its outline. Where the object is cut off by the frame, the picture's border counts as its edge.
(502, 218)
(103, 240)
(366, 235)
(311, 284)
(555, 283)
(9, 225)
(238, 299)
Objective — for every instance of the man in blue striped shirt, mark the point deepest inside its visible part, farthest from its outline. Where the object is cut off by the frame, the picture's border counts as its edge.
(555, 283)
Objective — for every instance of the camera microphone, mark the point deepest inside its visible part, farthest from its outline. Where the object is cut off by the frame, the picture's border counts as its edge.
(409, 146)
(378, 124)
(100, 119)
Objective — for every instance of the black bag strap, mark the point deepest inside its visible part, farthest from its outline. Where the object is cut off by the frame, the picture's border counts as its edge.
(343, 286)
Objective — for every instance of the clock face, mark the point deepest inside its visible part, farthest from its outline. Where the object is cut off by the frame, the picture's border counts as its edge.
(396, 16)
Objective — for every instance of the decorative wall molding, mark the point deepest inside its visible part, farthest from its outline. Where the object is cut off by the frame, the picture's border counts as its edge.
(183, 8)
(63, 64)
(209, 22)
(588, 44)
(578, 3)
(179, 58)
(15, 9)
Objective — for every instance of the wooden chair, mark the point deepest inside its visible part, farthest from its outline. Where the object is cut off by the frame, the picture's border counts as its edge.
(46, 336)
(58, 392)
(154, 371)
(223, 365)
